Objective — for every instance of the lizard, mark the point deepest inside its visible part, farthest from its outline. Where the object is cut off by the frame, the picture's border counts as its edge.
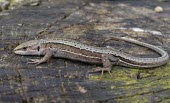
(107, 56)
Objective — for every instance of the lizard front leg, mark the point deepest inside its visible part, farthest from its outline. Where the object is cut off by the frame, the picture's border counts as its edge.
(107, 64)
(48, 55)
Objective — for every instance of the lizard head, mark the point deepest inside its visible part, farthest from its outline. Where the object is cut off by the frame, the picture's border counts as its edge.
(31, 47)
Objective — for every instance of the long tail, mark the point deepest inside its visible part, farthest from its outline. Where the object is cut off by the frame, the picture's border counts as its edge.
(142, 62)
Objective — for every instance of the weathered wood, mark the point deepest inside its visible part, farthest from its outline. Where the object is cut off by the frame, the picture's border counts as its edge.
(88, 22)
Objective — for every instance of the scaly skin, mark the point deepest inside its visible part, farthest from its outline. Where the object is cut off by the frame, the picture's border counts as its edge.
(74, 50)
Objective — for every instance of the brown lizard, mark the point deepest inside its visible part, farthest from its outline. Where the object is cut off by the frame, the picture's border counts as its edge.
(70, 49)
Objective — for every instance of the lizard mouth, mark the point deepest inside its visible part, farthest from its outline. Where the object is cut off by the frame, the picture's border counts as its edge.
(26, 52)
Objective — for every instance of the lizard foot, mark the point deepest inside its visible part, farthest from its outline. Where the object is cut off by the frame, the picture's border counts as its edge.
(99, 69)
(34, 61)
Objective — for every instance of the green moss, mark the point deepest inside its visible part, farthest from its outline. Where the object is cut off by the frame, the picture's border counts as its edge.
(127, 75)
(135, 99)
(14, 2)
(126, 83)
(2, 0)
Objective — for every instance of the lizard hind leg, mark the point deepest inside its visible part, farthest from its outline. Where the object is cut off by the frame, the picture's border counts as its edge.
(107, 64)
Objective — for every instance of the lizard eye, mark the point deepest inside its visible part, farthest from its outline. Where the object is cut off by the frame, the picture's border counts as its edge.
(38, 48)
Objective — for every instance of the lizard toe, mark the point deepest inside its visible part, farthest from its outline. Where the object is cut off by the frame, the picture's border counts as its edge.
(102, 70)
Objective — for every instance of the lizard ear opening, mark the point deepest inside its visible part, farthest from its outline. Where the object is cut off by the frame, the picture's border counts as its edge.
(38, 48)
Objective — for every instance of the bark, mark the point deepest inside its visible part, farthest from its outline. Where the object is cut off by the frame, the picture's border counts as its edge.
(90, 22)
